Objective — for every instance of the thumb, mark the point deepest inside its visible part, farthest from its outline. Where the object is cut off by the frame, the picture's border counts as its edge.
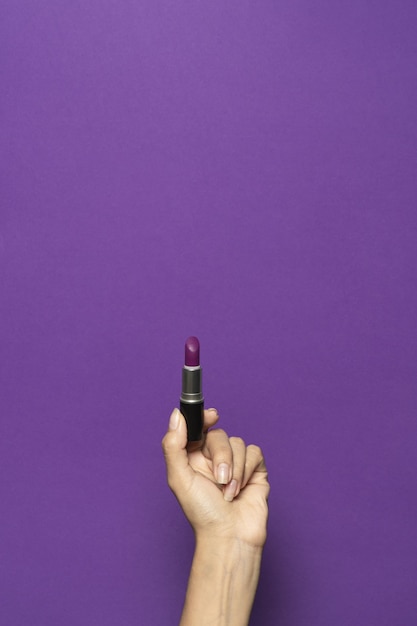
(174, 446)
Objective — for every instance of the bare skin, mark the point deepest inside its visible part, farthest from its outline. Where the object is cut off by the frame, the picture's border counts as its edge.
(222, 486)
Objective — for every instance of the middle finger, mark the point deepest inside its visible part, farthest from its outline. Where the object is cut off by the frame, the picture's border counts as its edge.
(218, 450)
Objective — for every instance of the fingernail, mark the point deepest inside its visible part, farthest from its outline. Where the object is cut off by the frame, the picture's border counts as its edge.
(230, 491)
(174, 420)
(215, 411)
(223, 474)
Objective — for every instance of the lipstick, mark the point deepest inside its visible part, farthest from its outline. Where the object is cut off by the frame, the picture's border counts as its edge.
(191, 399)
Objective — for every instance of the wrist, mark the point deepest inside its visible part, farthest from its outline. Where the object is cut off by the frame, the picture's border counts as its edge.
(226, 571)
(232, 550)
(229, 561)
(225, 560)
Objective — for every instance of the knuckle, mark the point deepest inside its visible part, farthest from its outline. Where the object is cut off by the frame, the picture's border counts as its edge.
(167, 443)
(222, 452)
(217, 432)
(217, 439)
(237, 441)
(255, 450)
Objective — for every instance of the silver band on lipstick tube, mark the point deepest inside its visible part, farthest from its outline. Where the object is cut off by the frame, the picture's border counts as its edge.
(192, 402)
(191, 384)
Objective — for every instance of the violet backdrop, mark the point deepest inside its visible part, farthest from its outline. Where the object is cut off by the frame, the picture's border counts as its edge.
(241, 171)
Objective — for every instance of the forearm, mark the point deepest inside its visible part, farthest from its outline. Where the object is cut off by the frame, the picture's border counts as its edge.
(222, 583)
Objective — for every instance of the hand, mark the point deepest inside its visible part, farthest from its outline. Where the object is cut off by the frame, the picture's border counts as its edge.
(220, 483)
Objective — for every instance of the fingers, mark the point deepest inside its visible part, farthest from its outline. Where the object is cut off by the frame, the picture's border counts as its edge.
(248, 467)
(217, 448)
(239, 453)
(234, 464)
(211, 417)
(255, 468)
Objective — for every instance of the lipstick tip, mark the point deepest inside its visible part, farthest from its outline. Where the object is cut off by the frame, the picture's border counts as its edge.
(192, 352)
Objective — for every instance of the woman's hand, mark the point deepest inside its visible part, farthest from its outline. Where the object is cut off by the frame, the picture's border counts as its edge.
(222, 487)
(220, 483)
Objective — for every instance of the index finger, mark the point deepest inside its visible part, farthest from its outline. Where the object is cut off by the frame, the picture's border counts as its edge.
(211, 417)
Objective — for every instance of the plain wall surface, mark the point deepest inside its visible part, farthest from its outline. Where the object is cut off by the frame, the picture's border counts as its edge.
(242, 171)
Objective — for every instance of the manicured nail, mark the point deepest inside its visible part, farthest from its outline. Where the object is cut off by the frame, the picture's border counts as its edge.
(223, 474)
(174, 420)
(230, 491)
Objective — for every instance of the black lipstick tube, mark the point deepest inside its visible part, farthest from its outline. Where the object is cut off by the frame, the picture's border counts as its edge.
(192, 401)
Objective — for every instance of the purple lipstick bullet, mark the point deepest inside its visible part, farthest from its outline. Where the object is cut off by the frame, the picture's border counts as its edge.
(191, 400)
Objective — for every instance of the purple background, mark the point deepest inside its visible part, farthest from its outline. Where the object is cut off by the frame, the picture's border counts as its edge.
(241, 171)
